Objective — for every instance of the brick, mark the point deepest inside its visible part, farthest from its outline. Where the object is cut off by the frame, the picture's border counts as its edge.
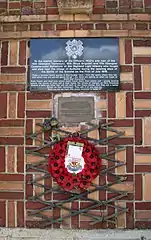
(87, 26)
(130, 215)
(38, 96)
(126, 186)
(142, 95)
(122, 51)
(61, 26)
(48, 26)
(143, 224)
(11, 186)
(143, 215)
(126, 77)
(74, 26)
(12, 78)
(128, 51)
(143, 205)
(14, 5)
(142, 158)
(10, 159)
(29, 130)
(38, 114)
(37, 105)
(4, 53)
(52, 11)
(121, 156)
(3, 108)
(114, 26)
(138, 187)
(141, 26)
(142, 103)
(20, 27)
(22, 52)
(143, 150)
(146, 76)
(12, 195)
(98, 10)
(29, 187)
(3, 214)
(121, 122)
(11, 177)
(2, 159)
(142, 60)
(111, 105)
(127, 87)
(147, 131)
(12, 105)
(20, 159)
(129, 159)
(120, 104)
(137, 77)
(8, 28)
(111, 4)
(21, 105)
(128, 26)
(142, 51)
(11, 214)
(147, 193)
(138, 134)
(20, 214)
(13, 70)
(75, 219)
(142, 43)
(142, 113)
(129, 104)
(147, 3)
(35, 27)
(11, 123)
(126, 68)
(100, 26)
(142, 168)
(11, 140)
(13, 52)
(11, 131)
(12, 87)
(99, 2)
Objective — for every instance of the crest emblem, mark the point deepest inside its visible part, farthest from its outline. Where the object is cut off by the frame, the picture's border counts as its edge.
(74, 48)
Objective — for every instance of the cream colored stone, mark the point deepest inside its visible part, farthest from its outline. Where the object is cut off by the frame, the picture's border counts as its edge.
(142, 104)
(147, 184)
(142, 158)
(126, 77)
(142, 51)
(147, 131)
(41, 104)
(120, 105)
(122, 51)
(146, 77)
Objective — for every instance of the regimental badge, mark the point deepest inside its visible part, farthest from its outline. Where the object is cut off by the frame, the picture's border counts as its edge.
(74, 48)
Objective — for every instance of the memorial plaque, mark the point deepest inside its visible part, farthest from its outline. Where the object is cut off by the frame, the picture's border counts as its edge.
(74, 64)
(75, 109)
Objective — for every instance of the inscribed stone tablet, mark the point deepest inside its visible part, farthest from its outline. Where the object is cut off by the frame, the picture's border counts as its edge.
(75, 109)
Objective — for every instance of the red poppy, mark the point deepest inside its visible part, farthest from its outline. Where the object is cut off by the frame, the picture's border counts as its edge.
(67, 180)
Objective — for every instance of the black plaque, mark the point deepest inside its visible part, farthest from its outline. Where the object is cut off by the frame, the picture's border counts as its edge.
(74, 64)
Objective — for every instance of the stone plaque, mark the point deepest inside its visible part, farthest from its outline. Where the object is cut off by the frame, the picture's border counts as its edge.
(74, 64)
(75, 109)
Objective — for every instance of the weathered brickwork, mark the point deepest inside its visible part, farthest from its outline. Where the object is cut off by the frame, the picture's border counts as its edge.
(129, 109)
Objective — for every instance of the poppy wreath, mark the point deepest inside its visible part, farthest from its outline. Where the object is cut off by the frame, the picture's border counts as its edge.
(71, 181)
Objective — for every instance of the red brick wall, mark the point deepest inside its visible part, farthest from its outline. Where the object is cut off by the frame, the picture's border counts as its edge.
(130, 109)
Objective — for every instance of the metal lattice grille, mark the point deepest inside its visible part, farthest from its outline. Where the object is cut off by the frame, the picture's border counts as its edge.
(75, 204)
